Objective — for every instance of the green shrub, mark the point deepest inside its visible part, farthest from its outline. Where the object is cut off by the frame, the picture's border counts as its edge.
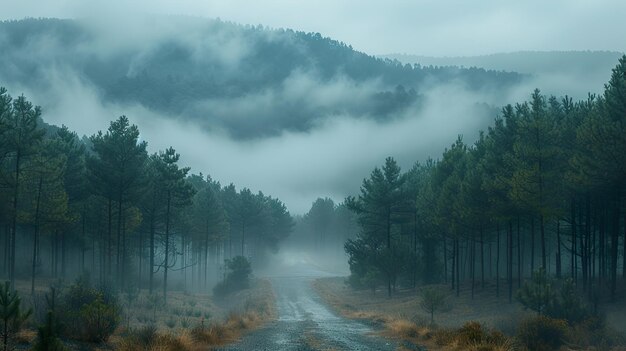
(89, 314)
(47, 336)
(238, 277)
(99, 320)
(433, 300)
(542, 333)
(11, 315)
(553, 298)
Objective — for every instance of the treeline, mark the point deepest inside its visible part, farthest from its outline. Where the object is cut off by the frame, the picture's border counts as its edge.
(195, 77)
(324, 229)
(543, 187)
(105, 206)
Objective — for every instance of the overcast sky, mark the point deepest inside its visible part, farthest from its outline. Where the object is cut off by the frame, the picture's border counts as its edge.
(423, 27)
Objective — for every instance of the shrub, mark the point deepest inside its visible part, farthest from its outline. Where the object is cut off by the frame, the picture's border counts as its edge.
(99, 320)
(89, 314)
(238, 277)
(471, 333)
(11, 315)
(542, 333)
(47, 336)
(553, 298)
(433, 300)
(537, 294)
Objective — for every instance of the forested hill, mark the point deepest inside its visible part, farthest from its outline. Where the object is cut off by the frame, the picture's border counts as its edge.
(555, 72)
(248, 80)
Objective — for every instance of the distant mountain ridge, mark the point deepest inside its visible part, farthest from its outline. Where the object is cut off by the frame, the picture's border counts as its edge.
(250, 81)
(591, 67)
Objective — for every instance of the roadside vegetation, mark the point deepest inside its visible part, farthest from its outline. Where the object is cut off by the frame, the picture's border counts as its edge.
(82, 316)
(515, 242)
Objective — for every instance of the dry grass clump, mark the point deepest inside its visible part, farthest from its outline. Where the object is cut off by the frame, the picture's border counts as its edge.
(403, 328)
(149, 339)
(472, 336)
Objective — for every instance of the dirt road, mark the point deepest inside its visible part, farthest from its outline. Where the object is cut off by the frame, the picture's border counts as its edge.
(306, 323)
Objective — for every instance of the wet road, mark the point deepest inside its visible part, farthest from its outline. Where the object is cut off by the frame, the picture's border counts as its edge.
(306, 323)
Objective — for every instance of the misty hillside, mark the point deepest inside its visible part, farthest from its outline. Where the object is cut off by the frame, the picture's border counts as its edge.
(550, 68)
(249, 81)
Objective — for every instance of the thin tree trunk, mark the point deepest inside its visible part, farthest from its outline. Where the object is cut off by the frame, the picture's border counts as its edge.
(445, 261)
(458, 283)
(482, 259)
(532, 244)
(110, 240)
(558, 249)
(453, 270)
(498, 260)
(16, 193)
(543, 243)
(472, 265)
(519, 256)
(36, 237)
(510, 260)
(624, 251)
(119, 239)
(573, 239)
(167, 245)
(614, 245)
(152, 248)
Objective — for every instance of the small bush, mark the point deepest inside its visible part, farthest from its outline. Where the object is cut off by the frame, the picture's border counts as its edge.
(542, 333)
(47, 336)
(433, 300)
(88, 314)
(238, 277)
(471, 333)
(12, 316)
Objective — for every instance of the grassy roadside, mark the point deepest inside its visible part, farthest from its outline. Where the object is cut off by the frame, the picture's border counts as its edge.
(187, 322)
(485, 323)
(400, 318)
(245, 311)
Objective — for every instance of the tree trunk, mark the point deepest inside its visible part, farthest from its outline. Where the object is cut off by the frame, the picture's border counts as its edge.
(445, 261)
(573, 240)
(624, 251)
(543, 243)
(498, 260)
(558, 249)
(389, 278)
(16, 193)
(458, 283)
(532, 244)
(482, 259)
(510, 260)
(453, 270)
(109, 241)
(167, 245)
(152, 248)
(119, 240)
(519, 256)
(243, 237)
(36, 237)
(614, 245)
(472, 265)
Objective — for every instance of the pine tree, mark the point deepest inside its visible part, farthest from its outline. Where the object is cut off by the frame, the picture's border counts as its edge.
(11, 315)
(116, 171)
(177, 194)
(21, 136)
